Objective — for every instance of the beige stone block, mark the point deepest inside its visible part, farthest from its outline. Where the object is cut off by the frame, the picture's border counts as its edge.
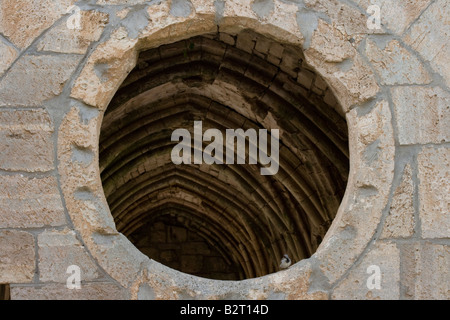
(434, 192)
(60, 249)
(26, 142)
(63, 39)
(425, 271)
(396, 15)
(330, 43)
(34, 79)
(203, 6)
(23, 21)
(360, 283)
(88, 291)
(400, 220)
(30, 202)
(429, 37)
(16, 256)
(8, 54)
(119, 57)
(367, 192)
(396, 65)
(347, 18)
(422, 114)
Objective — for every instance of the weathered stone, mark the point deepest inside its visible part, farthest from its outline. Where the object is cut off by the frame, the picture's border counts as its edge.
(45, 75)
(426, 37)
(339, 63)
(26, 203)
(23, 21)
(97, 90)
(330, 43)
(57, 251)
(434, 192)
(396, 65)
(88, 291)
(346, 18)
(368, 191)
(16, 256)
(63, 39)
(425, 271)
(422, 114)
(361, 282)
(400, 220)
(396, 15)
(8, 54)
(26, 140)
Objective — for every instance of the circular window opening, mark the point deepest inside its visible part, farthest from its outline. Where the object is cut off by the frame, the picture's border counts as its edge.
(228, 220)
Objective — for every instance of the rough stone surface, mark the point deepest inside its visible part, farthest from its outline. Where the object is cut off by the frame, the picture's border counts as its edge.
(400, 220)
(16, 256)
(66, 40)
(57, 251)
(434, 192)
(397, 15)
(426, 34)
(88, 291)
(396, 65)
(86, 87)
(425, 268)
(26, 140)
(357, 286)
(45, 74)
(23, 21)
(30, 202)
(422, 114)
(8, 54)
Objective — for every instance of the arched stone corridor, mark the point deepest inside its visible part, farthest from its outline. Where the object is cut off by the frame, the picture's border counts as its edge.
(226, 81)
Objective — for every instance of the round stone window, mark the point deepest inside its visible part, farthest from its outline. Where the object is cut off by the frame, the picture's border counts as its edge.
(219, 214)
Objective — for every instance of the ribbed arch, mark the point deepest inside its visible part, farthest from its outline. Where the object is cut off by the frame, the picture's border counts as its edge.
(251, 219)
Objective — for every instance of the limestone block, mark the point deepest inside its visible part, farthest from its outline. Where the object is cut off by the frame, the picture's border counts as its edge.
(63, 39)
(57, 251)
(422, 113)
(361, 283)
(203, 6)
(96, 86)
(8, 54)
(434, 192)
(37, 78)
(27, 203)
(429, 37)
(26, 140)
(23, 21)
(396, 65)
(396, 15)
(425, 271)
(400, 220)
(88, 291)
(348, 19)
(331, 43)
(339, 63)
(16, 256)
(372, 155)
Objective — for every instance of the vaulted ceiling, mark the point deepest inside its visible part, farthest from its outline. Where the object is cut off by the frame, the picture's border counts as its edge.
(227, 81)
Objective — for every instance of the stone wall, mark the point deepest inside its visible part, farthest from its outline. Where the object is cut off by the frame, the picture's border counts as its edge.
(60, 68)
